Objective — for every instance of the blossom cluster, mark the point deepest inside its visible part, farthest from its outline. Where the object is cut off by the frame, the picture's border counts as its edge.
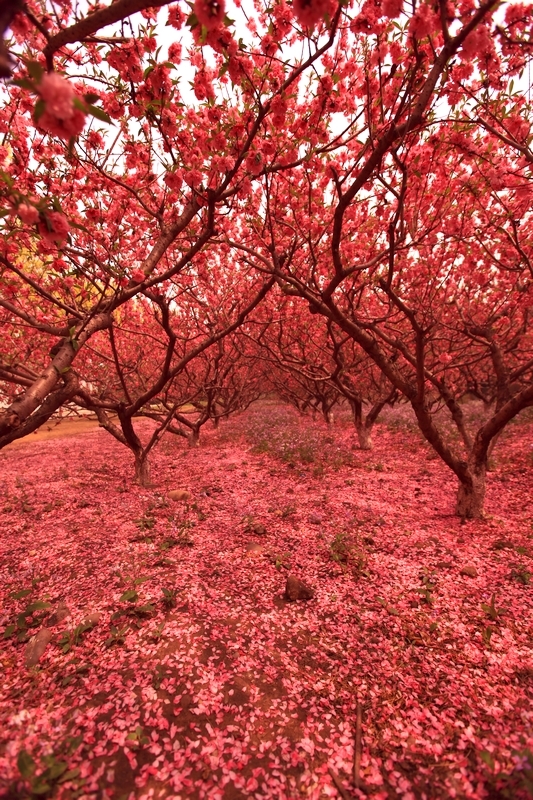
(61, 116)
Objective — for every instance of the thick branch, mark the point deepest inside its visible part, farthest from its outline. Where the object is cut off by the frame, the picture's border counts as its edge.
(24, 406)
(88, 26)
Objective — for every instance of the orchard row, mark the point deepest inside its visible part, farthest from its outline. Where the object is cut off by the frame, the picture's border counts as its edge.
(327, 200)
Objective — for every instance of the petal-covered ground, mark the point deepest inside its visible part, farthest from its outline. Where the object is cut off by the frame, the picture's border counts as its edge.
(181, 672)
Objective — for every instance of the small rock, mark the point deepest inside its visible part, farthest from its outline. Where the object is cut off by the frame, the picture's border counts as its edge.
(36, 647)
(57, 616)
(502, 544)
(444, 564)
(180, 495)
(471, 572)
(259, 529)
(295, 589)
(315, 519)
(254, 549)
(92, 619)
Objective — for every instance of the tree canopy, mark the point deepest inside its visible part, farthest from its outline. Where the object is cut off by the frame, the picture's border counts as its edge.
(172, 175)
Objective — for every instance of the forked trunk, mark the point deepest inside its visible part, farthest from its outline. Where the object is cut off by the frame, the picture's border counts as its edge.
(364, 435)
(471, 494)
(142, 470)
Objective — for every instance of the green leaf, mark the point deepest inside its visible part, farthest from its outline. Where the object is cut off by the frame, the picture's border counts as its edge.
(145, 610)
(40, 788)
(78, 226)
(487, 758)
(21, 622)
(99, 113)
(388, 608)
(138, 581)
(6, 178)
(35, 70)
(25, 764)
(129, 596)
(69, 775)
(24, 83)
(38, 111)
(91, 97)
(21, 594)
(9, 631)
(39, 605)
(56, 769)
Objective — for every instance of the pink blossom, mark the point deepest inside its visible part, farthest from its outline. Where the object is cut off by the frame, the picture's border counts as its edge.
(174, 52)
(63, 128)
(210, 13)
(58, 94)
(28, 214)
(176, 17)
(255, 163)
(138, 275)
(392, 8)
(57, 228)
(310, 12)
(478, 43)
(203, 86)
(424, 22)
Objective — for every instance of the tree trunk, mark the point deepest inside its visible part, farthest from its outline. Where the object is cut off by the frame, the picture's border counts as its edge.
(142, 469)
(364, 435)
(471, 494)
(194, 437)
(327, 413)
(492, 445)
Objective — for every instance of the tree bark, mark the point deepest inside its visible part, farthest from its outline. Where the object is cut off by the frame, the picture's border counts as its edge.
(48, 407)
(364, 436)
(142, 469)
(471, 493)
(36, 394)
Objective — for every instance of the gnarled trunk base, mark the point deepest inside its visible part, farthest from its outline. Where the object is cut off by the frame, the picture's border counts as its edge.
(364, 436)
(471, 497)
(142, 470)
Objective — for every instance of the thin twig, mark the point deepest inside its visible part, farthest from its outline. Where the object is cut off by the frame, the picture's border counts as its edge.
(337, 781)
(357, 748)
